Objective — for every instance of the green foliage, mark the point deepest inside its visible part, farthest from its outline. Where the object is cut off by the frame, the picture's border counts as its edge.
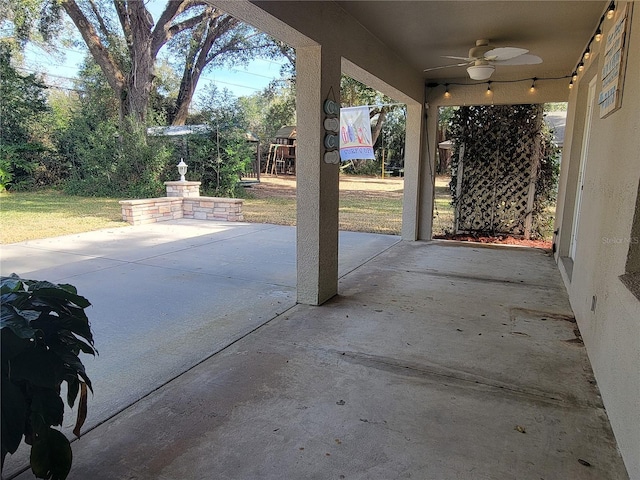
(471, 124)
(108, 162)
(22, 106)
(269, 110)
(218, 159)
(30, 20)
(555, 107)
(44, 328)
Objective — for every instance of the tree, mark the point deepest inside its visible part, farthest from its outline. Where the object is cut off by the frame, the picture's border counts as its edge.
(126, 49)
(220, 158)
(29, 21)
(23, 102)
(270, 109)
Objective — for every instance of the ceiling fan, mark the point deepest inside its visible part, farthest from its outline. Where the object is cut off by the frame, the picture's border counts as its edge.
(483, 58)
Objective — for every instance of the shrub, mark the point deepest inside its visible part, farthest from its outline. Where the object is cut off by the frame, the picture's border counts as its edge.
(44, 329)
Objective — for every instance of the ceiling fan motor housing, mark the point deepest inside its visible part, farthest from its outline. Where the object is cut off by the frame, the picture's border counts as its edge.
(482, 47)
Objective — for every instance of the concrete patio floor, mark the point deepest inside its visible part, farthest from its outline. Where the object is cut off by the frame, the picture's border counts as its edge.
(437, 360)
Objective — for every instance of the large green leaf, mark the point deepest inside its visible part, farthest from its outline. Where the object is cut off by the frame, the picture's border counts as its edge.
(73, 387)
(71, 342)
(51, 455)
(47, 405)
(11, 283)
(11, 345)
(16, 320)
(37, 366)
(51, 290)
(14, 414)
(73, 365)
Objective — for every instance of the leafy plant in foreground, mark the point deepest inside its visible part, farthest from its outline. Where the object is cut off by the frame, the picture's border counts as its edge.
(43, 330)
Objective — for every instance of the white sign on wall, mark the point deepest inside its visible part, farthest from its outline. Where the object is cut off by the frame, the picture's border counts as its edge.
(612, 75)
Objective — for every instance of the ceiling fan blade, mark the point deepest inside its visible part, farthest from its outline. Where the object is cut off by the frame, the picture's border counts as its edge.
(458, 58)
(527, 59)
(504, 53)
(446, 66)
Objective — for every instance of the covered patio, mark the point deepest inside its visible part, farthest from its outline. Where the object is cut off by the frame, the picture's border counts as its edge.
(430, 360)
(438, 360)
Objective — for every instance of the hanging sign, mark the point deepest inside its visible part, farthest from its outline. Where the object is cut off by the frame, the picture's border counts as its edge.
(355, 134)
(612, 75)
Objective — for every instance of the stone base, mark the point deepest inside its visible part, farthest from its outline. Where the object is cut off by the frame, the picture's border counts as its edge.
(182, 189)
(151, 210)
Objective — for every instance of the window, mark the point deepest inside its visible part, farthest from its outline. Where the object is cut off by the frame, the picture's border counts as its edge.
(631, 277)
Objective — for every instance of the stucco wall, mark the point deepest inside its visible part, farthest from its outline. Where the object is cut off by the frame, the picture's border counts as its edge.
(606, 311)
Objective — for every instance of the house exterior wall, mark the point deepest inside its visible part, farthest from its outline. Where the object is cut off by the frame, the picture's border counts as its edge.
(607, 312)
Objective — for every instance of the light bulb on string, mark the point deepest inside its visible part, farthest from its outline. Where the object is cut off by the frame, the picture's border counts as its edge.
(446, 91)
(587, 53)
(533, 85)
(611, 10)
(598, 35)
(581, 66)
(488, 89)
(570, 84)
(574, 76)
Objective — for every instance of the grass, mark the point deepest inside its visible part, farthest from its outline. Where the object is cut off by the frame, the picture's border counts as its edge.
(381, 215)
(34, 215)
(49, 213)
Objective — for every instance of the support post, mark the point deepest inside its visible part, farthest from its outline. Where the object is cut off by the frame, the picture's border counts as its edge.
(318, 78)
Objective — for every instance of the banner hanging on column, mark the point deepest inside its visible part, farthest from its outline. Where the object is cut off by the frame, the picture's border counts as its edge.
(355, 134)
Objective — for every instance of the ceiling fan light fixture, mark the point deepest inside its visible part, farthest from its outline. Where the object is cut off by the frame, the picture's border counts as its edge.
(480, 72)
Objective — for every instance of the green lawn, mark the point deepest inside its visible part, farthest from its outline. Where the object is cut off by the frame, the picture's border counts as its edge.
(49, 213)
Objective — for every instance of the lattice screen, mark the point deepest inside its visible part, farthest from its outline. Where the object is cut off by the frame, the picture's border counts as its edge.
(496, 167)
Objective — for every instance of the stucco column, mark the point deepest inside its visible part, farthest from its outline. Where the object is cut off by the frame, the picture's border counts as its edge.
(427, 179)
(412, 172)
(317, 78)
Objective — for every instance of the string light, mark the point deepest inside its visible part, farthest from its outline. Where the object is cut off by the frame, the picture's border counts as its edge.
(597, 37)
(446, 91)
(488, 88)
(533, 85)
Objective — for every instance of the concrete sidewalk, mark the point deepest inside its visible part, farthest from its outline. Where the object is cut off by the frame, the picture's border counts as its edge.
(436, 361)
(168, 295)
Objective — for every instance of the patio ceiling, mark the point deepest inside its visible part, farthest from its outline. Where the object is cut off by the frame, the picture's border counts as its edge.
(422, 32)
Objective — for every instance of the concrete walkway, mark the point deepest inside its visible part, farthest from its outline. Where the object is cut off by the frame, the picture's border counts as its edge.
(436, 361)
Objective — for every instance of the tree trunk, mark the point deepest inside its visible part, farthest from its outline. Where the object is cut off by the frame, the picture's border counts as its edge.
(378, 128)
(137, 24)
(183, 101)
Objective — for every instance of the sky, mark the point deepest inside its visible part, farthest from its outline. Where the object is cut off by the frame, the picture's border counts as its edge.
(61, 69)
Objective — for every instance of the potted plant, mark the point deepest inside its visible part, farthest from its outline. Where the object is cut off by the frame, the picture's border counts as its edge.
(43, 329)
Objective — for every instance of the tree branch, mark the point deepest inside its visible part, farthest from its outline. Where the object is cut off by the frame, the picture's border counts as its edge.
(123, 15)
(103, 26)
(164, 31)
(112, 71)
(169, 32)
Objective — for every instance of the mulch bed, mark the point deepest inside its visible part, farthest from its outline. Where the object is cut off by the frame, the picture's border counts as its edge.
(498, 239)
